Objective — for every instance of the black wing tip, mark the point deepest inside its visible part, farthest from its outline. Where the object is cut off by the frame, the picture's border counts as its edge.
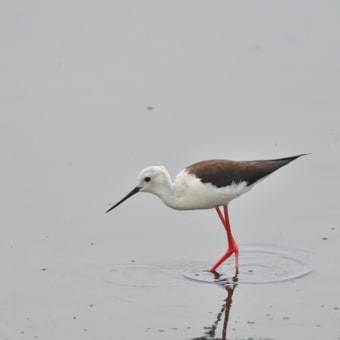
(292, 158)
(303, 154)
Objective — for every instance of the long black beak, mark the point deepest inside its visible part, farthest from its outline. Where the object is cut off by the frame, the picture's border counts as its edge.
(131, 193)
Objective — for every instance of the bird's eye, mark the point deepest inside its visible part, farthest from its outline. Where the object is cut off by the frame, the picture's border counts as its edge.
(147, 179)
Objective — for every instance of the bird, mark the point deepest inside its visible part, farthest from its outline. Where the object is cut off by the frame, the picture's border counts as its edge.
(208, 184)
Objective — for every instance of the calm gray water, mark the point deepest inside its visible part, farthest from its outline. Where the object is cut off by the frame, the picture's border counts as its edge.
(93, 92)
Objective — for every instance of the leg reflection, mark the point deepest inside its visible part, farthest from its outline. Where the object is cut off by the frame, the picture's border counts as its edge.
(223, 314)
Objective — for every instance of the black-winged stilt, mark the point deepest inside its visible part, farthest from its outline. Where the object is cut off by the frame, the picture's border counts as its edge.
(206, 185)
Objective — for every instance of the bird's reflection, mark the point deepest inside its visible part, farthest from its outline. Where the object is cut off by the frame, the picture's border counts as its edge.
(223, 315)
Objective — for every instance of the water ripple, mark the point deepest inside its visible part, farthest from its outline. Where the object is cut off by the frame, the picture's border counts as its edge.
(258, 265)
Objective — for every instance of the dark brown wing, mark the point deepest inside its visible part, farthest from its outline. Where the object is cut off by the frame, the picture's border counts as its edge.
(222, 173)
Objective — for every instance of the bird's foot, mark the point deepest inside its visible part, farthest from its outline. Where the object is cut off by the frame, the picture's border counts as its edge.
(233, 249)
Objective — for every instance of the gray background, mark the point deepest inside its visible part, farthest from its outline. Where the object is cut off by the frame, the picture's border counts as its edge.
(93, 91)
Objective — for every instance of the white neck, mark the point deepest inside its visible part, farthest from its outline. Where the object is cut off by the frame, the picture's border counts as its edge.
(166, 192)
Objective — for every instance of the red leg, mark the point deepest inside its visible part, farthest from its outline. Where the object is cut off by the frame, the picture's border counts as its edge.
(232, 245)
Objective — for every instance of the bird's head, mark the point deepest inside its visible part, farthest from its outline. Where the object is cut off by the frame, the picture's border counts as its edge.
(152, 179)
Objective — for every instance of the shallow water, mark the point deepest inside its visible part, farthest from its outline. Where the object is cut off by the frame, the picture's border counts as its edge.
(92, 93)
(259, 265)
